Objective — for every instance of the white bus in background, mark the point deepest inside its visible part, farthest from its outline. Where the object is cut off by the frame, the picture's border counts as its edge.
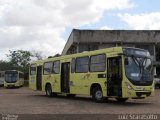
(2, 78)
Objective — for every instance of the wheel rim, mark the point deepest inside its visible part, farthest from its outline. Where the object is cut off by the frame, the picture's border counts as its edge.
(98, 95)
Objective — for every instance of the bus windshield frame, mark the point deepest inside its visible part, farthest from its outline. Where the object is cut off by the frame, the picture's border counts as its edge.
(11, 76)
(138, 66)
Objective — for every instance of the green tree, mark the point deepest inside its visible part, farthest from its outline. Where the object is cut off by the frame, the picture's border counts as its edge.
(4, 65)
(20, 59)
(56, 55)
(37, 55)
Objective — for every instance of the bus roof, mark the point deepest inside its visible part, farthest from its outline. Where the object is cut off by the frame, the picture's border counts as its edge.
(112, 49)
(118, 49)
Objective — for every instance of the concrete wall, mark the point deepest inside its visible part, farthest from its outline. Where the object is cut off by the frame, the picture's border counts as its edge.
(110, 36)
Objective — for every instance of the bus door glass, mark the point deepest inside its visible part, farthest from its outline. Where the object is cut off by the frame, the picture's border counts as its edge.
(39, 78)
(65, 72)
(32, 77)
(114, 78)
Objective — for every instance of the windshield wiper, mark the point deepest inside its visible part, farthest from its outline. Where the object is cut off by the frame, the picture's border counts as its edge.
(136, 61)
(139, 65)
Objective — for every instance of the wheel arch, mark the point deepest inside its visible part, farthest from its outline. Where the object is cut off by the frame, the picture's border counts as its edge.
(48, 83)
(94, 85)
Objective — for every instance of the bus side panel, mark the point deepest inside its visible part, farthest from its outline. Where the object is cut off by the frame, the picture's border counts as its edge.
(100, 79)
(79, 83)
(32, 82)
(45, 80)
(55, 79)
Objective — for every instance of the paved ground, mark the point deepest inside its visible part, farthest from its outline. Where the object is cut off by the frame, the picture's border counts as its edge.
(25, 101)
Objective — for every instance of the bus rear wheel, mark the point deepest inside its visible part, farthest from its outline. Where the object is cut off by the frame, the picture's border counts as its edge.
(121, 99)
(97, 95)
(48, 90)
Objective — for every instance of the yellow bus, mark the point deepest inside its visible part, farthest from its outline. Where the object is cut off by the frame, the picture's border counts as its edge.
(117, 72)
(13, 78)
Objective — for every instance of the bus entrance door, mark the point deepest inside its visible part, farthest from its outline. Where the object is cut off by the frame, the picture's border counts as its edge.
(65, 71)
(39, 78)
(114, 78)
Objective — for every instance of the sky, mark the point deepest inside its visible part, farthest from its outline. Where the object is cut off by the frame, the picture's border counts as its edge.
(45, 25)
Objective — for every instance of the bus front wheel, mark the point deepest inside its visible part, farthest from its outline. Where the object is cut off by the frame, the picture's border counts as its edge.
(97, 94)
(121, 99)
(49, 91)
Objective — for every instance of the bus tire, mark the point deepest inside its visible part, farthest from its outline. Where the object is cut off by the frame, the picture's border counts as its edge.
(48, 90)
(97, 95)
(121, 99)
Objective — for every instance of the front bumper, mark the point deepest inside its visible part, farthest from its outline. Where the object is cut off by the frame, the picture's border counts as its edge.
(139, 92)
(16, 84)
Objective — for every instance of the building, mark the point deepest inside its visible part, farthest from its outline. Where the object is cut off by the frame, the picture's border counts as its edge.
(88, 40)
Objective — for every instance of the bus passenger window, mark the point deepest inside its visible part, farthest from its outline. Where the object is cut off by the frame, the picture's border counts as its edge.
(98, 63)
(33, 69)
(82, 64)
(47, 68)
(56, 67)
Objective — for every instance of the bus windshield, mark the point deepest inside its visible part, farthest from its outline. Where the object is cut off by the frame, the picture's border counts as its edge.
(11, 77)
(139, 68)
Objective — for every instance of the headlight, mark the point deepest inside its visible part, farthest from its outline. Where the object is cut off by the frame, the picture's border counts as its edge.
(129, 86)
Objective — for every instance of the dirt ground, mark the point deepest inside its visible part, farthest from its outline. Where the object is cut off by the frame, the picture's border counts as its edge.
(26, 101)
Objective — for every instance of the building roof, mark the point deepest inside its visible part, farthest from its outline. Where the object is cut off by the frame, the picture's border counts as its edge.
(112, 36)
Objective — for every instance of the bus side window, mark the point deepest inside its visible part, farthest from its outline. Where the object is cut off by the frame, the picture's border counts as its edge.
(73, 66)
(82, 64)
(33, 69)
(98, 63)
(56, 67)
(47, 68)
